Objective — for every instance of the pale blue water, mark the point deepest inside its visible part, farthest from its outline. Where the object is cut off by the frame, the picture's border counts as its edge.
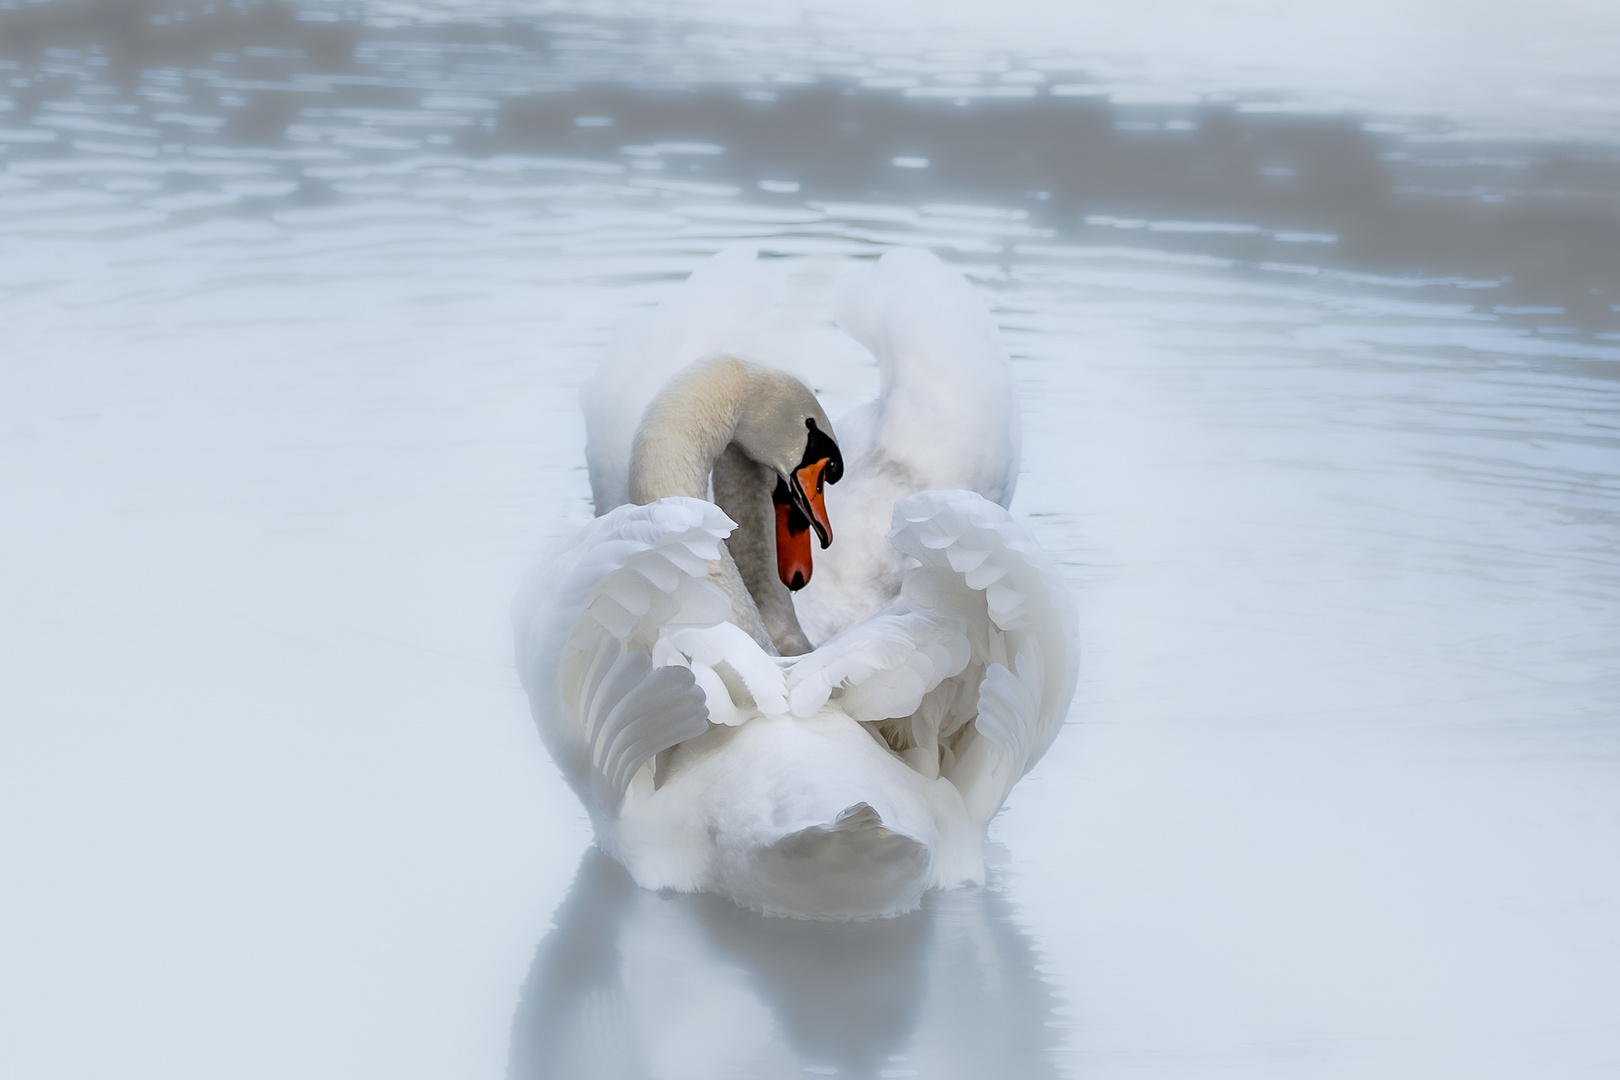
(1320, 417)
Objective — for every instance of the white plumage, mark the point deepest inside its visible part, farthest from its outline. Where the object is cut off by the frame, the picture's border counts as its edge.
(845, 782)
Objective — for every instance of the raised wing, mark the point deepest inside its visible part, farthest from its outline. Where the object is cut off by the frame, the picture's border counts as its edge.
(625, 648)
(586, 627)
(880, 669)
(994, 717)
(942, 367)
(737, 677)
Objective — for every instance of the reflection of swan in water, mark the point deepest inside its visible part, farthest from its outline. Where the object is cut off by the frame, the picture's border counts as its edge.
(635, 984)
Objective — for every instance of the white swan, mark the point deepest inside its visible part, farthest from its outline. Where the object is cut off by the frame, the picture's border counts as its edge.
(835, 783)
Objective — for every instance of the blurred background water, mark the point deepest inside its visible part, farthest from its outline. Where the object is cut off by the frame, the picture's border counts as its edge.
(1316, 315)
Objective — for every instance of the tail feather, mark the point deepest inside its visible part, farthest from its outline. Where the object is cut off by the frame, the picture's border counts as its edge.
(852, 868)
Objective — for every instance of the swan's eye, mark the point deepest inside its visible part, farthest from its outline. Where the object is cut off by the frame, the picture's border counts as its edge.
(820, 447)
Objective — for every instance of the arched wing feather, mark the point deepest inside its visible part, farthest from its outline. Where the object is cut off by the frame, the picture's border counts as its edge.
(943, 367)
(980, 567)
(881, 668)
(739, 679)
(586, 625)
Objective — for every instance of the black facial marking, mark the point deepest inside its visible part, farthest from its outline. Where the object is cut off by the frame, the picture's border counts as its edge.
(783, 496)
(820, 445)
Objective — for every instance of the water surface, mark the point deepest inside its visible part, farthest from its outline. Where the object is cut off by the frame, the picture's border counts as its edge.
(1320, 414)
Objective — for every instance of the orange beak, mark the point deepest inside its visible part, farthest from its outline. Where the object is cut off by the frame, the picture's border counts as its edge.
(800, 507)
(792, 546)
(811, 482)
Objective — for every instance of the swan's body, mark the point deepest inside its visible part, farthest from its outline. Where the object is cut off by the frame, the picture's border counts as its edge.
(844, 781)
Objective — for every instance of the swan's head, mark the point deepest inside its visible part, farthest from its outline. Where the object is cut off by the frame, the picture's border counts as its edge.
(786, 430)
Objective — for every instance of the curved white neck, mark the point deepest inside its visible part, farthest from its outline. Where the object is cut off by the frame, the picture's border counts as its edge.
(685, 436)
(686, 428)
